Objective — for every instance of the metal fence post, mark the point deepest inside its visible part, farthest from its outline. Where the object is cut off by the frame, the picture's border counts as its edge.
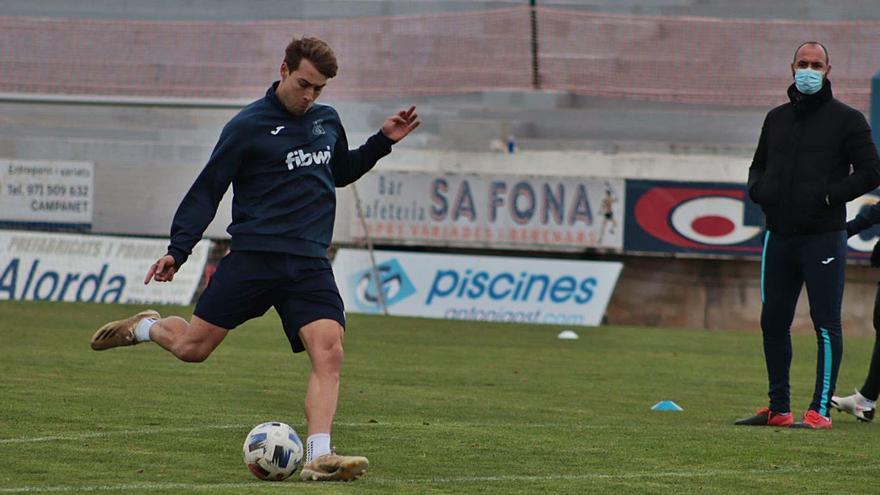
(536, 73)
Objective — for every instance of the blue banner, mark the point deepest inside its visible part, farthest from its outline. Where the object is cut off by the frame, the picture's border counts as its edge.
(711, 218)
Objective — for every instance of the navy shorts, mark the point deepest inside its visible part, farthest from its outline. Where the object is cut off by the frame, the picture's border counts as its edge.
(247, 283)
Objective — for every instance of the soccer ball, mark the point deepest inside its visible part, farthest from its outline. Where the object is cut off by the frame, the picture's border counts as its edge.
(272, 451)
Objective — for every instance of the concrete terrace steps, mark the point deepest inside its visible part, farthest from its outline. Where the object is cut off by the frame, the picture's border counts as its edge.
(235, 10)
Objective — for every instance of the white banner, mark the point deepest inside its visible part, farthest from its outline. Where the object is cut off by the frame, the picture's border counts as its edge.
(53, 192)
(489, 288)
(492, 211)
(69, 267)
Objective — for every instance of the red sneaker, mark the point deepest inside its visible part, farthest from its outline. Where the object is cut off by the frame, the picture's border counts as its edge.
(766, 417)
(814, 421)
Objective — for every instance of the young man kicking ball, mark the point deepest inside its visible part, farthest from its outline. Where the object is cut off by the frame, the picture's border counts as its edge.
(284, 155)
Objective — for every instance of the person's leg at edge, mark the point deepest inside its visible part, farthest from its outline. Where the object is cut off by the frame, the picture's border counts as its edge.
(871, 389)
(863, 403)
(323, 342)
(192, 342)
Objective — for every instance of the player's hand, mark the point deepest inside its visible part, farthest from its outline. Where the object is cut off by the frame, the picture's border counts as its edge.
(875, 255)
(162, 270)
(399, 125)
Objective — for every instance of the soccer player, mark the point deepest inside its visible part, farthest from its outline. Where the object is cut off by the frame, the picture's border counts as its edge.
(863, 403)
(801, 177)
(284, 154)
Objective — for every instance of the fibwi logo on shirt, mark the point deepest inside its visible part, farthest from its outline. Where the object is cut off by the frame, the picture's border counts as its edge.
(396, 286)
(300, 158)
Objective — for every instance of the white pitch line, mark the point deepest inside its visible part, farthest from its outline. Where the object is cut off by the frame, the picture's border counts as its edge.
(193, 429)
(439, 481)
(99, 434)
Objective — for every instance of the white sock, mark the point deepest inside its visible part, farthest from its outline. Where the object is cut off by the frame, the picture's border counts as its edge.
(317, 445)
(142, 331)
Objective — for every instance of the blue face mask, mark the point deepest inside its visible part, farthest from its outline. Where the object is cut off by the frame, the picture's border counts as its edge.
(808, 81)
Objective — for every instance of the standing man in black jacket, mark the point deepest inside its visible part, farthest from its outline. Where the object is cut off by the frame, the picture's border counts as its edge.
(801, 178)
(284, 155)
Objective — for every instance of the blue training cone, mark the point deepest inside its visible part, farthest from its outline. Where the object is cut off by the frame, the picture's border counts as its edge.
(666, 405)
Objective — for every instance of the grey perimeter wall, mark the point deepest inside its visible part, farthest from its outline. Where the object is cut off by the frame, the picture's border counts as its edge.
(721, 295)
(146, 158)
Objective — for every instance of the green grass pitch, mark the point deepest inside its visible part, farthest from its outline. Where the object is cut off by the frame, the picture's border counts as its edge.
(437, 406)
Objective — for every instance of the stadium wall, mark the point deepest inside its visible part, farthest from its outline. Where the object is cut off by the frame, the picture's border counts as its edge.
(721, 295)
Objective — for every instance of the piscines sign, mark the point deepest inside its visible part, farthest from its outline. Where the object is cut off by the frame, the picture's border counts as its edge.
(489, 288)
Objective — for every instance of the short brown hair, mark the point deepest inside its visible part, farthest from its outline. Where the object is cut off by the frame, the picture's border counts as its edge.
(820, 45)
(315, 51)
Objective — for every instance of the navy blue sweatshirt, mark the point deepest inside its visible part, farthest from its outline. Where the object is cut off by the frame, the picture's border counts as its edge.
(283, 169)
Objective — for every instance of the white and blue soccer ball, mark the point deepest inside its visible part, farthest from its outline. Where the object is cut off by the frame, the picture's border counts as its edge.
(272, 451)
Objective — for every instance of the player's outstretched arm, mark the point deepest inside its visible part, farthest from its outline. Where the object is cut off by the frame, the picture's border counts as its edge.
(349, 165)
(162, 270)
(399, 125)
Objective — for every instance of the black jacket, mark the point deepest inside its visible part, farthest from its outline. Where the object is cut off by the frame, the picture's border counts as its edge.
(801, 172)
